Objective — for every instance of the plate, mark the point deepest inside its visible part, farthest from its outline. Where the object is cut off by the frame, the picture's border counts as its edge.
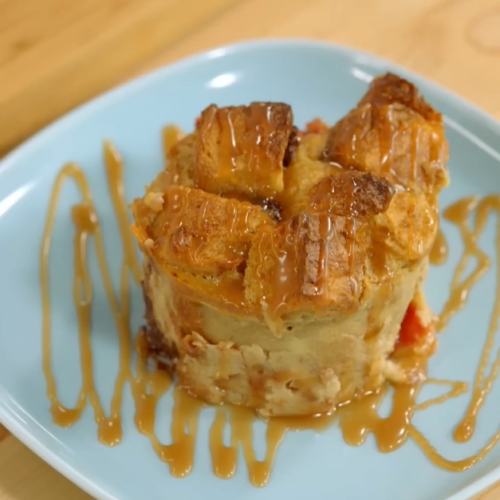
(318, 80)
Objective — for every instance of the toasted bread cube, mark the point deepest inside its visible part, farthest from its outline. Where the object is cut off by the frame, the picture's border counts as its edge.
(351, 194)
(240, 150)
(196, 231)
(309, 262)
(392, 133)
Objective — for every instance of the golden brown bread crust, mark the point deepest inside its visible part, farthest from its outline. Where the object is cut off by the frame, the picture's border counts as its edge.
(240, 149)
(278, 263)
(390, 89)
(351, 194)
(393, 133)
(197, 231)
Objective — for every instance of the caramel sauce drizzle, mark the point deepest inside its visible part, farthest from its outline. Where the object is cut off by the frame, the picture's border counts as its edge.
(148, 387)
(459, 214)
(148, 383)
(457, 388)
(287, 282)
(225, 458)
(86, 224)
(246, 137)
(228, 143)
(439, 250)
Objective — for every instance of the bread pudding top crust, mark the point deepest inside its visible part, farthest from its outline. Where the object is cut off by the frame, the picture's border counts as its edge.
(257, 217)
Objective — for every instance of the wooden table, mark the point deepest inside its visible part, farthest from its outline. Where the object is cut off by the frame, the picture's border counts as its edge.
(55, 54)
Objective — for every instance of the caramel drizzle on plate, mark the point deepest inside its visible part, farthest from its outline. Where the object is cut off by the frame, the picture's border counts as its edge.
(86, 224)
(439, 250)
(149, 382)
(459, 214)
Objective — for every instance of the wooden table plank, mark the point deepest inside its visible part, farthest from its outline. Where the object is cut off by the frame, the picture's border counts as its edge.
(44, 73)
(453, 42)
(23, 476)
(55, 54)
(3, 433)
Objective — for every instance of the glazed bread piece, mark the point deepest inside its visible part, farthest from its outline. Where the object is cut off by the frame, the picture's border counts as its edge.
(197, 231)
(241, 149)
(394, 133)
(283, 288)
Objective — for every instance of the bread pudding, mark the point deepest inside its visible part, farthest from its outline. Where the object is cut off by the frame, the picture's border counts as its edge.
(279, 263)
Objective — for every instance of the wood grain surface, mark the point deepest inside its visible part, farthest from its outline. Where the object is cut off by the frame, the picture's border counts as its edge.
(56, 54)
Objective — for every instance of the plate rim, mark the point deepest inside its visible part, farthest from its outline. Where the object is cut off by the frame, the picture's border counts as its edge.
(80, 112)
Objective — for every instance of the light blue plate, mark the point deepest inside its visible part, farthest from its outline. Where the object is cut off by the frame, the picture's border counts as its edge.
(318, 80)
